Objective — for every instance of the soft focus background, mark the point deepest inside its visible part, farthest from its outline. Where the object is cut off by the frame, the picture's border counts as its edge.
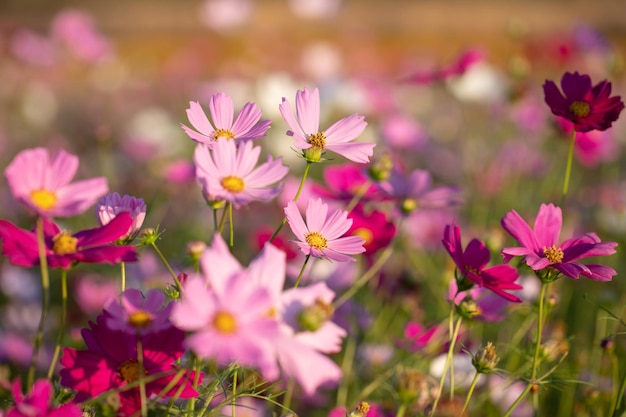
(110, 81)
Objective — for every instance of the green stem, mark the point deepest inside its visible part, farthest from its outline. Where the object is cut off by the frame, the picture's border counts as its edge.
(123, 268)
(59, 343)
(222, 221)
(233, 397)
(346, 366)
(620, 397)
(45, 301)
(568, 168)
(519, 399)
(306, 260)
(358, 195)
(179, 287)
(284, 221)
(231, 226)
(470, 391)
(535, 366)
(401, 410)
(191, 405)
(614, 393)
(142, 383)
(446, 366)
(291, 386)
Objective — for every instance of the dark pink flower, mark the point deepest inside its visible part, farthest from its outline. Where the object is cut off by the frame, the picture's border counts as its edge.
(588, 107)
(472, 264)
(64, 249)
(343, 182)
(373, 226)
(540, 247)
(458, 67)
(111, 362)
(37, 402)
(135, 314)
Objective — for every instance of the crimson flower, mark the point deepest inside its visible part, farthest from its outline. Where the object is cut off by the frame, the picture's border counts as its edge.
(540, 247)
(588, 107)
(472, 263)
(64, 249)
(373, 226)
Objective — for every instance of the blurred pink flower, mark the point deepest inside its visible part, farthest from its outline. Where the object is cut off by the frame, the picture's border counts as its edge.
(323, 233)
(63, 249)
(180, 171)
(420, 338)
(33, 48)
(458, 67)
(540, 248)
(92, 293)
(246, 126)
(78, 33)
(403, 132)
(109, 206)
(344, 182)
(135, 314)
(37, 402)
(337, 138)
(228, 173)
(592, 147)
(224, 15)
(43, 183)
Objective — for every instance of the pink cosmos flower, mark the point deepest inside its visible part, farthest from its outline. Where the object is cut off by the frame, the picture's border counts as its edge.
(78, 32)
(472, 265)
(458, 67)
(64, 249)
(321, 235)
(228, 173)
(37, 402)
(43, 183)
(343, 182)
(134, 314)
(111, 362)
(92, 293)
(246, 126)
(540, 247)
(588, 107)
(337, 138)
(109, 206)
(432, 339)
(33, 48)
(591, 147)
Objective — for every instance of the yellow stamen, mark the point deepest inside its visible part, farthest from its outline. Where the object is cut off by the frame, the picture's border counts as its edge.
(316, 240)
(129, 371)
(553, 254)
(365, 233)
(232, 184)
(43, 199)
(223, 133)
(579, 108)
(64, 243)
(317, 140)
(225, 322)
(140, 319)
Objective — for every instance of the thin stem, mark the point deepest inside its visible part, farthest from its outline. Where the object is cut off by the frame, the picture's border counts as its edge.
(535, 366)
(142, 383)
(346, 366)
(614, 393)
(215, 225)
(59, 343)
(45, 301)
(620, 397)
(191, 405)
(358, 195)
(568, 168)
(179, 287)
(123, 268)
(284, 221)
(231, 226)
(446, 366)
(306, 260)
(519, 399)
(222, 221)
(233, 397)
(401, 410)
(291, 386)
(470, 391)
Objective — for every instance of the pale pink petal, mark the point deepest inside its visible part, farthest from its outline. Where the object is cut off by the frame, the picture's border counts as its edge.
(198, 137)
(316, 213)
(196, 306)
(198, 119)
(348, 244)
(268, 270)
(287, 112)
(359, 152)
(548, 225)
(219, 265)
(63, 167)
(346, 129)
(78, 196)
(222, 109)
(246, 119)
(308, 110)
(295, 220)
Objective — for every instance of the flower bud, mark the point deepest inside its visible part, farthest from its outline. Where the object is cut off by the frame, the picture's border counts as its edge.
(312, 154)
(468, 308)
(607, 343)
(110, 205)
(381, 169)
(312, 317)
(195, 249)
(486, 359)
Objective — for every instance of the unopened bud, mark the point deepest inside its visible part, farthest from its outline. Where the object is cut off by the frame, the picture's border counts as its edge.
(607, 343)
(381, 169)
(312, 317)
(195, 249)
(312, 154)
(468, 308)
(148, 236)
(486, 359)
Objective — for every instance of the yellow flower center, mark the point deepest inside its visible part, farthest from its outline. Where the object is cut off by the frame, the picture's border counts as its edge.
(225, 322)
(43, 199)
(553, 254)
(580, 108)
(365, 233)
(232, 184)
(408, 205)
(140, 319)
(64, 243)
(317, 140)
(223, 133)
(316, 240)
(129, 371)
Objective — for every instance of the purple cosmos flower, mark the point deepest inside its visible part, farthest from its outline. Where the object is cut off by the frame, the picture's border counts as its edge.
(110, 362)
(109, 206)
(37, 402)
(588, 107)
(228, 173)
(321, 235)
(540, 247)
(64, 249)
(415, 191)
(246, 126)
(43, 183)
(337, 138)
(472, 264)
(134, 314)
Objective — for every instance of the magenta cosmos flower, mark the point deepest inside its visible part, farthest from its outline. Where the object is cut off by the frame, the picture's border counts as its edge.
(246, 126)
(228, 173)
(37, 402)
(111, 362)
(472, 263)
(321, 235)
(540, 247)
(374, 227)
(133, 313)
(43, 183)
(337, 138)
(109, 206)
(588, 107)
(64, 249)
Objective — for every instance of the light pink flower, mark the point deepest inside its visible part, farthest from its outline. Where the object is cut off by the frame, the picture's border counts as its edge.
(314, 142)
(109, 206)
(228, 173)
(37, 402)
(134, 314)
(246, 126)
(78, 32)
(43, 183)
(321, 235)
